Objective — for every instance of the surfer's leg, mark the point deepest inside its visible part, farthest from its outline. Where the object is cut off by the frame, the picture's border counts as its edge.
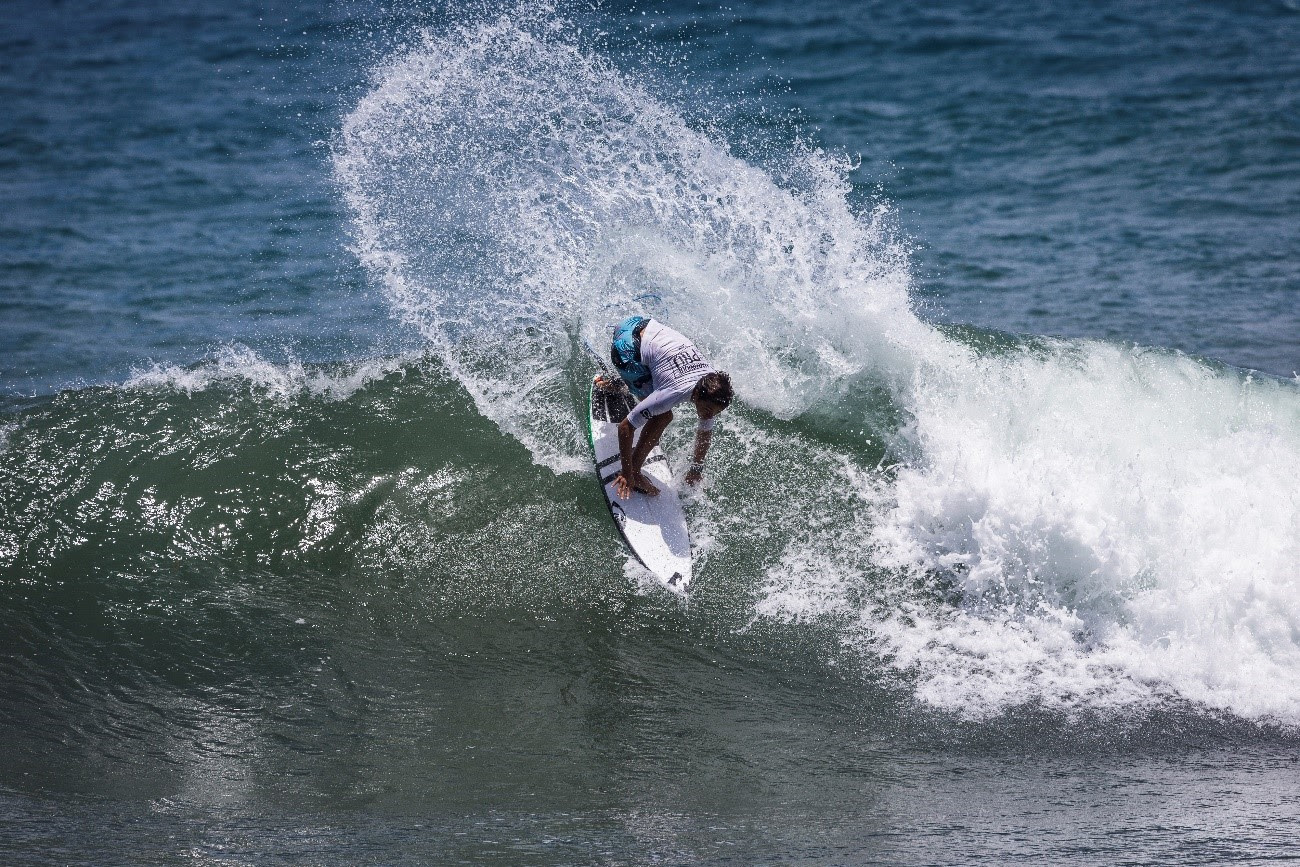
(649, 438)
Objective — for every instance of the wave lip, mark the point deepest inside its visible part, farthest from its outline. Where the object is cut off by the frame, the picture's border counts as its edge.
(241, 366)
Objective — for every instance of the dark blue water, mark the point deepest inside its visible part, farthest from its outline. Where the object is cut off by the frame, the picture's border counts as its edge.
(1139, 159)
(168, 190)
(299, 557)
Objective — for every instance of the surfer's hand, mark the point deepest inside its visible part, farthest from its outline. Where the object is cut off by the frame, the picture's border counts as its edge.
(693, 476)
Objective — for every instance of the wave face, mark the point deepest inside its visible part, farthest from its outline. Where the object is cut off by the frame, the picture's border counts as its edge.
(998, 522)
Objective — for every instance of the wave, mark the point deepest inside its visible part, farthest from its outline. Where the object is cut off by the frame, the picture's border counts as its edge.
(1067, 523)
(239, 473)
(988, 522)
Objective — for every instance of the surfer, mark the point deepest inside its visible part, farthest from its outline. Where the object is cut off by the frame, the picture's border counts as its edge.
(662, 368)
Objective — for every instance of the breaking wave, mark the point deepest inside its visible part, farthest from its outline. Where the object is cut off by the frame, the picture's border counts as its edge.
(998, 521)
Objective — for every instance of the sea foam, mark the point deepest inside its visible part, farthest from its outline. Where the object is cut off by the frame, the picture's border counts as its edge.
(1107, 526)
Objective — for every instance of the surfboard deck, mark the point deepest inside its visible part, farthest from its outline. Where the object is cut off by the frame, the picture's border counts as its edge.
(653, 527)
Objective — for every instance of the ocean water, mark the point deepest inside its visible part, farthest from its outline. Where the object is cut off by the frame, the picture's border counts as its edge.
(301, 560)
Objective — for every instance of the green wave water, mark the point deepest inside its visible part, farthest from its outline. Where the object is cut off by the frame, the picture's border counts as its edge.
(308, 593)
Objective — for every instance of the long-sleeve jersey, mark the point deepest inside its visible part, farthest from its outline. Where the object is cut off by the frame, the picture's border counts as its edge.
(675, 366)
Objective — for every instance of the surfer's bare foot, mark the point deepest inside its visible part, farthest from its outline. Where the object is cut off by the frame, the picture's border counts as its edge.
(624, 488)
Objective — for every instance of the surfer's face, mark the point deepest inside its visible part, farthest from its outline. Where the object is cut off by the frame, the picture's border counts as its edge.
(707, 409)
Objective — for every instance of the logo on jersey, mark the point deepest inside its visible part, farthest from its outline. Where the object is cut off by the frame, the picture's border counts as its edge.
(686, 361)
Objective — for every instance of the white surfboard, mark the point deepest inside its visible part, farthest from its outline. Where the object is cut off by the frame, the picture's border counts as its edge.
(654, 527)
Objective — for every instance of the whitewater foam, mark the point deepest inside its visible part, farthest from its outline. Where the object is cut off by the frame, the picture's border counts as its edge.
(1087, 526)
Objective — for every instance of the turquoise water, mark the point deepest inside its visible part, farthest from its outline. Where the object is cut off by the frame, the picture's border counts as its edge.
(301, 557)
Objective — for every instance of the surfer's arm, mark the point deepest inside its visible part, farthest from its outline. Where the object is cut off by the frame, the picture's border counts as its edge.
(703, 439)
(650, 416)
(656, 403)
(657, 406)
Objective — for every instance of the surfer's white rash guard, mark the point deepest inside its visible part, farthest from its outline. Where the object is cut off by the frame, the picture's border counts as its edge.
(675, 366)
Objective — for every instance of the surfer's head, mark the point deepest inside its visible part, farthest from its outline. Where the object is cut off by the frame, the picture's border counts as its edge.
(712, 394)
